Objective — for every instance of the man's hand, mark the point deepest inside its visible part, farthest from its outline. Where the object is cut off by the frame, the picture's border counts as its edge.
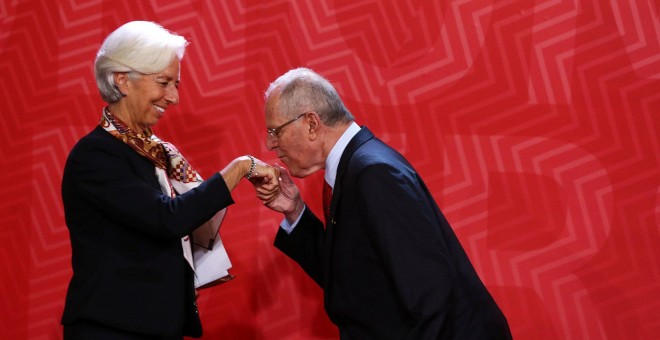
(287, 200)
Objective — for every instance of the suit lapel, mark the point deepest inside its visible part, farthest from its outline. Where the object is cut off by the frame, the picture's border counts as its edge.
(360, 138)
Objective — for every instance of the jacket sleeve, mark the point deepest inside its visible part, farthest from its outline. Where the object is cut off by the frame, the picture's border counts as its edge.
(104, 174)
(305, 245)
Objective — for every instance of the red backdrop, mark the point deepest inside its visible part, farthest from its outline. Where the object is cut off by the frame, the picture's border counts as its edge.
(534, 123)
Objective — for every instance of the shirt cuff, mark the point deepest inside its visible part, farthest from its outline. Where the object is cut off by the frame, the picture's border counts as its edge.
(288, 227)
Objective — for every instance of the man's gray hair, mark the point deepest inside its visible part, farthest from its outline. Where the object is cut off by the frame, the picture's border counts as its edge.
(303, 90)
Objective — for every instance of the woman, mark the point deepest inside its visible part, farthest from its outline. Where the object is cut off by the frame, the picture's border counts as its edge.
(131, 200)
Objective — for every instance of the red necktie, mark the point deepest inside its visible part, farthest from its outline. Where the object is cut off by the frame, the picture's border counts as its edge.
(327, 198)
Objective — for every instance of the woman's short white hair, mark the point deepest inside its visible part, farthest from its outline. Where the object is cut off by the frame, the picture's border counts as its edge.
(137, 46)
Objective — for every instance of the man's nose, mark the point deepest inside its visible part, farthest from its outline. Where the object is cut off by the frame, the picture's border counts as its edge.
(271, 143)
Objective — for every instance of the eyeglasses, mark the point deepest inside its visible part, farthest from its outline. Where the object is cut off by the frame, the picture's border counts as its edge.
(275, 132)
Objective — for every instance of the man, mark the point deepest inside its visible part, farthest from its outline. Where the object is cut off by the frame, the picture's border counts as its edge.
(389, 263)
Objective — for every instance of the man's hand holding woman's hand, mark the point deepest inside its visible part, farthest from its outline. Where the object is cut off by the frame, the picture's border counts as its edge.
(286, 198)
(274, 187)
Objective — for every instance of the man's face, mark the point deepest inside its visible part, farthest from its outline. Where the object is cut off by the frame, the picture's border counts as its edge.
(294, 145)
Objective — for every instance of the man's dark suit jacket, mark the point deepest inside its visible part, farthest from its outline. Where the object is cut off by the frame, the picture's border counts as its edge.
(128, 266)
(390, 265)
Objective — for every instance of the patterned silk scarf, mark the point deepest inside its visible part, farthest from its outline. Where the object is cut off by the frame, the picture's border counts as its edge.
(163, 154)
(176, 176)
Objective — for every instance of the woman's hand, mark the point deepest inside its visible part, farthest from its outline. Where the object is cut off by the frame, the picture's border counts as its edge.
(256, 171)
(265, 179)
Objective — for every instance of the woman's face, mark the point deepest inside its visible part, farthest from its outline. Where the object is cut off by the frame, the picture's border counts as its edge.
(149, 95)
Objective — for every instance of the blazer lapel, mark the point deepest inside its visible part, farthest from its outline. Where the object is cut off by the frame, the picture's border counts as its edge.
(360, 138)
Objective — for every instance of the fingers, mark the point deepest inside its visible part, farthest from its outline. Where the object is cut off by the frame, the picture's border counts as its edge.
(263, 170)
(265, 179)
(286, 182)
(266, 190)
(275, 187)
(283, 174)
(265, 184)
(267, 199)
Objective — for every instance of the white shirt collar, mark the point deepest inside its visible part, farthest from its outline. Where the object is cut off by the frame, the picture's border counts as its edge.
(332, 162)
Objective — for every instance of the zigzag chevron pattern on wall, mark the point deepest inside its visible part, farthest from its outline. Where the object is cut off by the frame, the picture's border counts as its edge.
(534, 123)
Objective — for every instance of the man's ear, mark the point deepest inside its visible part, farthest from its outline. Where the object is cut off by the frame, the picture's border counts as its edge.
(312, 123)
(121, 81)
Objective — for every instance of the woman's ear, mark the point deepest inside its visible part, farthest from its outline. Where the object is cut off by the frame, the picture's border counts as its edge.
(121, 81)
